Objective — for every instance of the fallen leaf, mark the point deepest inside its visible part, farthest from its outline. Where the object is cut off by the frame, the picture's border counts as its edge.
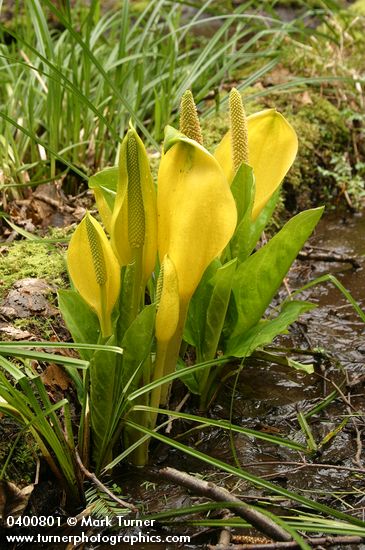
(54, 377)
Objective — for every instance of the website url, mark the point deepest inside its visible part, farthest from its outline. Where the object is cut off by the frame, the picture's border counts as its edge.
(112, 540)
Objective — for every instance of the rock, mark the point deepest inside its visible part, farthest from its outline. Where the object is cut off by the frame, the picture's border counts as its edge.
(27, 298)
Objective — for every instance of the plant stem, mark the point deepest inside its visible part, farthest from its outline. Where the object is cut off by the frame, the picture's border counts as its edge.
(155, 399)
(171, 353)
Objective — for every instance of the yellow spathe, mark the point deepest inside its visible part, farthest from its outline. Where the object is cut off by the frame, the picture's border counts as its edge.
(196, 210)
(94, 270)
(167, 316)
(272, 148)
(135, 205)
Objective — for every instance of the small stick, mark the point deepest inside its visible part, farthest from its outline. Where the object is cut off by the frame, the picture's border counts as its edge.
(178, 409)
(327, 541)
(357, 458)
(219, 494)
(224, 537)
(329, 257)
(302, 465)
(102, 487)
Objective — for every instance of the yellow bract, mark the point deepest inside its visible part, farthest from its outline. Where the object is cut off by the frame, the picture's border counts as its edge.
(94, 270)
(167, 316)
(272, 147)
(134, 222)
(196, 210)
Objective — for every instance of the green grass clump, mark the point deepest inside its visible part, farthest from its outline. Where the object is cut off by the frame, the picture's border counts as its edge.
(22, 259)
(73, 80)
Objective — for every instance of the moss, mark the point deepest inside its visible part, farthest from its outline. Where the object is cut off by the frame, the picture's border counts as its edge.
(358, 7)
(322, 132)
(40, 327)
(22, 259)
(21, 467)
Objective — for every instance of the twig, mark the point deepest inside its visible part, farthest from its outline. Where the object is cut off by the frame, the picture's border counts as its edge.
(301, 465)
(219, 494)
(224, 537)
(327, 541)
(178, 409)
(53, 202)
(329, 257)
(357, 458)
(102, 487)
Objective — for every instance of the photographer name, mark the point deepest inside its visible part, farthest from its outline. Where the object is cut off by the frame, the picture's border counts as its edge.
(121, 521)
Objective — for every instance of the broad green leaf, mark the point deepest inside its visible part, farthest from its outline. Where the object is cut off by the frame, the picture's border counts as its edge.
(136, 345)
(102, 400)
(251, 230)
(107, 181)
(258, 278)
(210, 305)
(80, 320)
(195, 323)
(243, 191)
(244, 343)
(190, 379)
(217, 308)
(248, 230)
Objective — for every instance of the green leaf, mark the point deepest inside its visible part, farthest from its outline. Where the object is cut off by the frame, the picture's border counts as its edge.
(217, 308)
(258, 278)
(243, 191)
(195, 324)
(102, 401)
(215, 317)
(80, 320)
(245, 342)
(207, 312)
(226, 425)
(136, 346)
(309, 369)
(248, 232)
(106, 181)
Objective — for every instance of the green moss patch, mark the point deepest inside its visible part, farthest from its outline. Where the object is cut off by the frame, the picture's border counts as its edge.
(22, 259)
